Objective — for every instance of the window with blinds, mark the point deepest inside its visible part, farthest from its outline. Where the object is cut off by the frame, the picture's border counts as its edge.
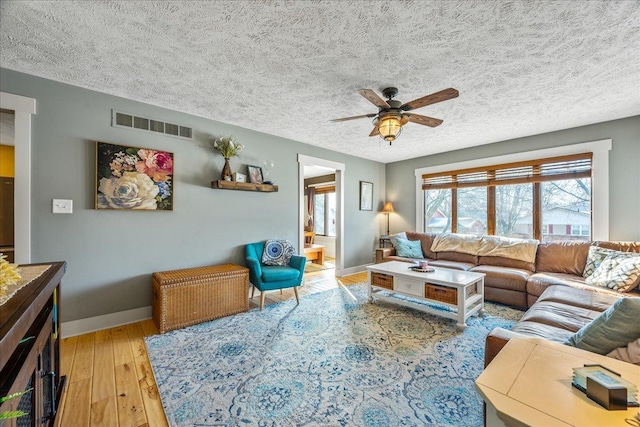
(547, 199)
(550, 169)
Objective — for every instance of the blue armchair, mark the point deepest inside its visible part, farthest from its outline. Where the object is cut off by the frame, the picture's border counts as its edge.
(272, 277)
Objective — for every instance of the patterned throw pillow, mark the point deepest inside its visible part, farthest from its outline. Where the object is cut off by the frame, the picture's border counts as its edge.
(409, 248)
(277, 252)
(619, 271)
(594, 259)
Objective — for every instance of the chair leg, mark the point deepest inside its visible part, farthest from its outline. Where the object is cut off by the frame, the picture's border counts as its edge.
(280, 291)
(295, 290)
(261, 300)
(253, 291)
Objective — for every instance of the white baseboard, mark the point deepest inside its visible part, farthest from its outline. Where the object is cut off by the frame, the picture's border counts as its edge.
(92, 324)
(352, 270)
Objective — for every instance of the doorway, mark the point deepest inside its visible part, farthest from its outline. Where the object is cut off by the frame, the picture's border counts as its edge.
(7, 177)
(321, 217)
(22, 108)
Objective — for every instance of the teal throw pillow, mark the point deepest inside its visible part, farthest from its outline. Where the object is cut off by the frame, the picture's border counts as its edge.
(409, 248)
(615, 327)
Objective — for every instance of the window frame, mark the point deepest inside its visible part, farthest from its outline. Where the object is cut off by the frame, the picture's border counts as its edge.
(599, 179)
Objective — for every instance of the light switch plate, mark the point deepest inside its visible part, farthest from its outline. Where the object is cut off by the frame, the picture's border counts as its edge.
(62, 206)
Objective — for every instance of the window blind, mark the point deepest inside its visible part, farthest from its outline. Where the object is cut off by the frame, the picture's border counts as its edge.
(550, 169)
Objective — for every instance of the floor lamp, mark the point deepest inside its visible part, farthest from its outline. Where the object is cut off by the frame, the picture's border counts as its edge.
(388, 209)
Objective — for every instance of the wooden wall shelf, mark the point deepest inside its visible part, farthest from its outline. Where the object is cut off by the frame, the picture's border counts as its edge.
(244, 186)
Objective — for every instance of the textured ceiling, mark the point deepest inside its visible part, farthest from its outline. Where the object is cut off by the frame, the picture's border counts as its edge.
(287, 68)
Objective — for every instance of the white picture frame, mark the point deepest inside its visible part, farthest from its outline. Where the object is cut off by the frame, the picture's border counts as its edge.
(239, 177)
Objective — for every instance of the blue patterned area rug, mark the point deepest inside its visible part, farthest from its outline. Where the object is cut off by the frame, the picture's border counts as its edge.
(334, 360)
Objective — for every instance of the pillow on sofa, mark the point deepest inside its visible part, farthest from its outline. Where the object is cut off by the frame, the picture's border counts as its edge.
(277, 252)
(619, 271)
(594, 258)
(394, 239)
(409, 248)
(615, 327)
(629, 353)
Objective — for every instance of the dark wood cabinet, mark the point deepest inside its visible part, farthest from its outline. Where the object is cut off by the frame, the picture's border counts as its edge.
(30, 351)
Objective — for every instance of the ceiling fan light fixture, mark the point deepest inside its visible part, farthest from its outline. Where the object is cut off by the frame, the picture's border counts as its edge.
(389, 127)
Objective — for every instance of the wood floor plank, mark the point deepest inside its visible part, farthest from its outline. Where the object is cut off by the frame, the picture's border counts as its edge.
(121, 347)
(104, 377)
(136, 340)
(150, 395)
(83, 360)
(104, 413)
(149, 327)
(130, 406)
(78, 401)
(103, 335)
(67, 355)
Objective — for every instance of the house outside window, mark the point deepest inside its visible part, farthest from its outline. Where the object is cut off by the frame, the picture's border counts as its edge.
(546, 199)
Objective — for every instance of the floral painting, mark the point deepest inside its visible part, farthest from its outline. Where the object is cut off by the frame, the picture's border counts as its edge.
(133, 178)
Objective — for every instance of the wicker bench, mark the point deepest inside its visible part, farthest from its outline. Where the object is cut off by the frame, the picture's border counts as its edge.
(194, 295)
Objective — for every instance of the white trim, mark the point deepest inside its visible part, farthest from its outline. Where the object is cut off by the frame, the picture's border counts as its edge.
(24, 107)
(105, 321)
(599, 183)
(352, 270)
(303, 161)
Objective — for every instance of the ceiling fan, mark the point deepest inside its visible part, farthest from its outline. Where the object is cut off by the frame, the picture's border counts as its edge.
(392, 114)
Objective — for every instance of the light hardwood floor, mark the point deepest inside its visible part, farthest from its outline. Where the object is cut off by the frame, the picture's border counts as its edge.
(110, 382)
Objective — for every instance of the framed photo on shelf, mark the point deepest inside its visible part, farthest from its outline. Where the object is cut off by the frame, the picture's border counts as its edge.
(255, 174)
(239, 177)
(366, 196)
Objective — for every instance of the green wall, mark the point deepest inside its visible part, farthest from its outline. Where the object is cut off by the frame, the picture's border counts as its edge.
(111, 254)
(624, 171)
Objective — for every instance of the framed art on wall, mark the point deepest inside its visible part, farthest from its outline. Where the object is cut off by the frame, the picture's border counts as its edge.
(366, 196)
(133, 178)
(255, 174)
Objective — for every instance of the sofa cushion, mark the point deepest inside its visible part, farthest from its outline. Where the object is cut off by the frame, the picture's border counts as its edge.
(562, 257)
(506, 262)
(615, 327)
(539, 282)
(426, 240)
(408, 248)
(504, 277)
(619, 271)
(629, 353)
(560, 315)
(549, 332)
(454, 265)
(457, 256)
(579, 297)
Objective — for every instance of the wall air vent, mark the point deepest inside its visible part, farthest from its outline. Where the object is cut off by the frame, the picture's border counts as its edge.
(131, 121)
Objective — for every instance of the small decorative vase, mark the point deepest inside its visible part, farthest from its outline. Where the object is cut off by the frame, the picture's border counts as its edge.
(226, 170)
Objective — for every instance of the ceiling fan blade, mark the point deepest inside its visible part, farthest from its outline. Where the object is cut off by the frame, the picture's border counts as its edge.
(344, 119)
(373, 98)
(375, 131)
(424, 120)
(443, 95)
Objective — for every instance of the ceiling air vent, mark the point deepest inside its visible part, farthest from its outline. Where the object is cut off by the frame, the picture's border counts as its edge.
(131, 121)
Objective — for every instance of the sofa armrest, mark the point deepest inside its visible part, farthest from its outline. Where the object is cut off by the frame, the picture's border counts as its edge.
(495, 341)
(382, 253)
(298, 262)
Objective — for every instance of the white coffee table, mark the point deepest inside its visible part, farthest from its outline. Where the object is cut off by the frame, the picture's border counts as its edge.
(463, 291)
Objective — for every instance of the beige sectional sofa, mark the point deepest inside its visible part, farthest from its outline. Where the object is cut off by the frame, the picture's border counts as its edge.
(517, 282)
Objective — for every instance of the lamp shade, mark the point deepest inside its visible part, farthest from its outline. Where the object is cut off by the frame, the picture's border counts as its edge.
(388, 208)
(389, 128)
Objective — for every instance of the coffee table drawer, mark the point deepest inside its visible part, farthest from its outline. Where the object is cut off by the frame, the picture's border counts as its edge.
(382, 280)
(410, 287)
